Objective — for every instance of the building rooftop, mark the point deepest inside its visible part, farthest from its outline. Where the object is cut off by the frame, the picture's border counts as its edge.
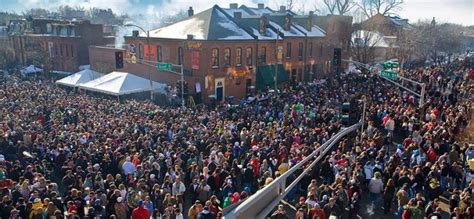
(211, 24)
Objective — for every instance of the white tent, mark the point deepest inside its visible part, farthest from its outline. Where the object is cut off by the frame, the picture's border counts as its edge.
(78, 78)
(30, 69)
(121, 83)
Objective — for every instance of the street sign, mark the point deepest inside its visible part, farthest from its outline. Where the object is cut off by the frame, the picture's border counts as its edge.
(390, 65)
(164, 66)
(389, 74)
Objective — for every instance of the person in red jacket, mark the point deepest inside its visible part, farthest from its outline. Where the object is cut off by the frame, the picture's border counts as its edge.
(140, 212)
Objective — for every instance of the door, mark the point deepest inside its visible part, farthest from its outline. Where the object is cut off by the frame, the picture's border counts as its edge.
(219, 90)
(293, 75)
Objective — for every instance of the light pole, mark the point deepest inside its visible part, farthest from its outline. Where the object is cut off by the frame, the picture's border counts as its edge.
(182, 74)
(149, 54)
(277, 61)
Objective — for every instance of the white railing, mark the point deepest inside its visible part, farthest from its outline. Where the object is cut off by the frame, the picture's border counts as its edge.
(260, 204)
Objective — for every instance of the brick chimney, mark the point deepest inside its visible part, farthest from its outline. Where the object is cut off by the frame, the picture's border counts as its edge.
(190, 37)
(261, 5)
(237, 16)
(282, 9)
(233, 5)
(309, 22)
(190, 12)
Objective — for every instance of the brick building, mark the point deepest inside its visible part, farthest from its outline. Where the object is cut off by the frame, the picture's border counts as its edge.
(58, 45)
(232, 51)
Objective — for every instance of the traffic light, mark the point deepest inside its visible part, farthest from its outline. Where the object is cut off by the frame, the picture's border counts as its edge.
(336, 61)
(178, 89)
(345, 115)
(185, 87)
(118, 59)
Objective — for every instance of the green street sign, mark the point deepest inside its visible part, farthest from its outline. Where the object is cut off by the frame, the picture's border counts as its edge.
(389, 74)
(390, 65)
(164, 66)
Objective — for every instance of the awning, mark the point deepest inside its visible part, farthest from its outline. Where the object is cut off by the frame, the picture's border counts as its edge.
(266, 73)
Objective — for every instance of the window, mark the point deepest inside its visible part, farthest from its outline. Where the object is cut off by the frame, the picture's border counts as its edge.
(67, 50)
(288, 50)
(180, 55)
(140, 51)
(56, 49)
(310, 48)
(321, 50)
(215, 57)
(227, 57)
(238, 58)
(61, 49)
(72, 51)
(159, 54)
(249, 56)
(263, 56)
(300, 50)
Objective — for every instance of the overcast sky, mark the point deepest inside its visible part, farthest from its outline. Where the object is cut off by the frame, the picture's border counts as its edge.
(454, 11)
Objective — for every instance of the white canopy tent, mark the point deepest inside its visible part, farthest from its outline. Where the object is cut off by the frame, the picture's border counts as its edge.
(79, 78)
(121, 83)
(30, 69)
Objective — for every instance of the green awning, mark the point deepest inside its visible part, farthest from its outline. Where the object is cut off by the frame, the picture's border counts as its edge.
(282, 74)
(266, 73)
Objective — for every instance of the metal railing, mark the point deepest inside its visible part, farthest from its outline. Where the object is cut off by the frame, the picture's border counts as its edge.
(260, 204)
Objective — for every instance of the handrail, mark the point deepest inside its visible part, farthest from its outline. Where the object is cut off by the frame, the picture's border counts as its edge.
(275, 202)
(280, 182)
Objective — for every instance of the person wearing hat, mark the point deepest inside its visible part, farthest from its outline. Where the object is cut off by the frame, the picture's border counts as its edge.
(121, 209)
(140, 212)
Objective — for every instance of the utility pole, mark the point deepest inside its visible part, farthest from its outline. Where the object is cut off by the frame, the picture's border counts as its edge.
(364, 101)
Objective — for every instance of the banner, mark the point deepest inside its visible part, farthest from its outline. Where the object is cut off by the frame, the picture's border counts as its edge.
(50, 49)
(195, 60)
(132, 55)
(150, 52)
(280, 54)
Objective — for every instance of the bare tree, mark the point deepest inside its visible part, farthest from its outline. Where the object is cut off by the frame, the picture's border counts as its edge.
(290, 4)
(363, 44)
(330, 5)
(383, 7)
(338, 7)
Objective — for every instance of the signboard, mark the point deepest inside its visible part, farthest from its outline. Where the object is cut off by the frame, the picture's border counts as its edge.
(195, 60)
(390, 65)
(195, 45)
(164, 66)
(150, 52)
(389, 74)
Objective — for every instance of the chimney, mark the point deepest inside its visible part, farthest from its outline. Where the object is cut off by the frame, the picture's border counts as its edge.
(282, 9)
(233, 5)
(135, 33)
(190, 37)
(190, 12)
(261, 5)
(310, 21)
(237, 16)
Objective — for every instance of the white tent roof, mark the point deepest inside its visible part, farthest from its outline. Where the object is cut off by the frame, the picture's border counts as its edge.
(121, 83)
(31, 69)
(78, 78)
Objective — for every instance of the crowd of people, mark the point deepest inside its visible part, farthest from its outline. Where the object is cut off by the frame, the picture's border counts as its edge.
(408, 161)
(72, 155)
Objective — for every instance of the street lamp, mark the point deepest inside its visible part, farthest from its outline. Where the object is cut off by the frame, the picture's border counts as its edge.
(149, 54)
(275, 77)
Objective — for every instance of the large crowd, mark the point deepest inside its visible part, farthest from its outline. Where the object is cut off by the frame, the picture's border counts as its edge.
(71, 155)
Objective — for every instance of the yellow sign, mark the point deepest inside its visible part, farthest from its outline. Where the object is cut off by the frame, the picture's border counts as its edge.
(195, 45)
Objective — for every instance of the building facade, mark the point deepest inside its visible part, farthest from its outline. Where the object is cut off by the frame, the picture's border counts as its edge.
(56, 45)
(233, 51)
